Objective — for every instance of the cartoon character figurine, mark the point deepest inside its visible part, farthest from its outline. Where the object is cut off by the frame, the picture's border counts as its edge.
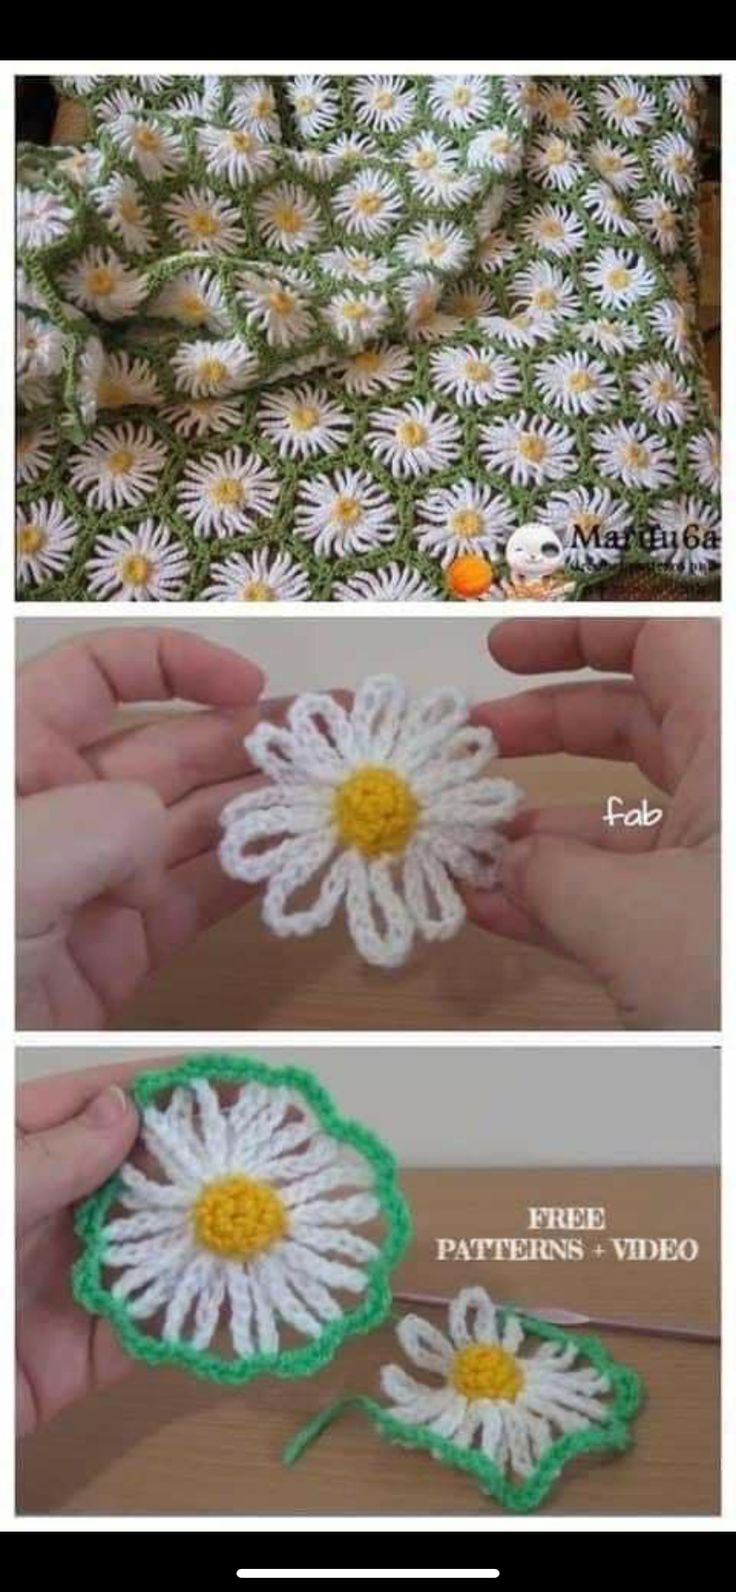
(535, 558)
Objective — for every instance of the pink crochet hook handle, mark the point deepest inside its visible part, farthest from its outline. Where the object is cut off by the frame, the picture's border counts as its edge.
(575, 1318)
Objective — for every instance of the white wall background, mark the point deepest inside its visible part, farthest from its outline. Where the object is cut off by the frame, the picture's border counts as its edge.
(306, 654)
(558, 1106)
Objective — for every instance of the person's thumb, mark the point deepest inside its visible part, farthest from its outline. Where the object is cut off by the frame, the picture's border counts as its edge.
(81, 841)
(61, 1165)
(588, 901)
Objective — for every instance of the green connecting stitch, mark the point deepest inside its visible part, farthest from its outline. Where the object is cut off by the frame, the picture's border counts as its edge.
(613, 1435)
(228, 286)
(92, 1291)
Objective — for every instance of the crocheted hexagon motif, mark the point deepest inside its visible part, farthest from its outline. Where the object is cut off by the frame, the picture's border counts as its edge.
(379, 808)
(345, 338)
(232, 1242)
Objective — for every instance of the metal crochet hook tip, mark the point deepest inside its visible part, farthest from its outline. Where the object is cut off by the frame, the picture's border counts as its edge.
(576, 1318)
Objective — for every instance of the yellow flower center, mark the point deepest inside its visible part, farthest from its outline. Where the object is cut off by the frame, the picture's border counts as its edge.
(635, 455)
(31, 538)
(263, 105)
(303, 417)
(367, 203)
(129, 209)
(559, 108)
(134, 569)
(355, 310)
(368, 362)
(466, 522)
(411, 434)
(544, 298)
(257, 592)
(280, 300)
(146, 138)
(477, 369)
(626, 105)
(192, 307)
(663, 390)
(486, 1371)
(112, 394)
(666, 221)
(227, 493)
(100, 281)
(460, 96)
(556, 152)
(435, 248)
(550, 227)
(212, 371)
(681, 164)
(120, 461)
(586, 522)
(580, 381)
(287, 218)
(384, 100)
(618, 278)
(242, 143)
(424, 159)
(345, 509)
(532, 448)
(375, 811)
(500, 144)
(305, 103)
(202, 223)
(238, 1216)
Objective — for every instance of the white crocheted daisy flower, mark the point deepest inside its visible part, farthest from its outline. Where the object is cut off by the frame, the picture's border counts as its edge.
(562, 110)
(544, 288)
(34, 451)
(122, 203)
(611, 337)
(496, 149)
(674, 158)
(426, 321)
(522, 329)
(224, 494)
(575, 383)
(345, 513)
(99, 281)
(593, 526)
(82, 166)
(277, 306)
(248, 1215)
(660, 220)
(144, 563)
(436, 244)
(474, 375)
(686, 535)
(619, 168)
(303, 422)
(555, 163)
(704, 453)
(384, 368)
(253, 106)
(673, 322)
(119, 467)
(259, 577)
(459, 101)
(618, 277)
(204, 222)
(608, 209)
(353, 265)
(491, 1390)
(155, 151)
(203, 417)
(628, 453)
(380, 806)
(127, 379)
(626, 105)
(44, 536)
(288, 218)
(314, 103)
(214, 369)
(415, 439)
(40, 218)
(119, 103)
(682, 97)
(236, 154)
(529, 449)
(387, 584)
(462, 518)
(554, 229)
(384, 103)
(368, 205)
(194, 299)
(661, 392)
(497, 248)
(39, 347)
(355, 317)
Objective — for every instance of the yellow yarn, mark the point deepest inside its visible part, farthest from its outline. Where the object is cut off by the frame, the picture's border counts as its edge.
(238, 1216)
(486, 1371)
(375, 811)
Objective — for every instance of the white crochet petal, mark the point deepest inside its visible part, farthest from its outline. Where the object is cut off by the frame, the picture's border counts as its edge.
(472, 1318)
(315, 1295)
(300, 870)
(492, 1438)
(175, 1147)
(430, 895)
(274, 750)
(377, 715)
(512, 1335)
(337, 1176)
(377, 917)
(143, 1224)
(298, 1259)
(516, 1428)
(333, 1240)
(212, 1127)
(323, 736)
(424, 1344)
(483, 803)
(256, 865)
(427, 723)
(326, 1213)
(208, 1310)
(270, 1274)
(242, 1311)
(447, 1422)
(263, 1157)
(404, 1389)
(265, 1328)
(192, 1280)
(140, 1192)
(267, 796)
(283, 1168)
(462, 757)
(465, 856)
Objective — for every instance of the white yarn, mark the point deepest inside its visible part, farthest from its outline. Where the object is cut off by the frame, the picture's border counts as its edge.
(388, 898)
(268, 1135)
(554, 1396)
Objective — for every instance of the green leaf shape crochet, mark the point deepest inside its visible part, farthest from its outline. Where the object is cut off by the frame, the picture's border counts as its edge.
(340, 338)
(291, 1085)
(612, 1436)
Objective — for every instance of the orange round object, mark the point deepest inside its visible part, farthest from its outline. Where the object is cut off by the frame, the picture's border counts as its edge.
(470, 576)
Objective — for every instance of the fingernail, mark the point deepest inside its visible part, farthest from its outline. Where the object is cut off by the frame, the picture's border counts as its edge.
(107, 1109)
(514, 865)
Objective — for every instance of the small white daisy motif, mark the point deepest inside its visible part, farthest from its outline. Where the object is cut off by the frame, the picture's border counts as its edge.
(354, 265)
(34, 451)
(385, 104)
(673, 322)
(593, 526)
(387, 584)
(259, 577)
(253, 106)
(100, 282)
(45, 535)
(626, 105)
(122, 203)
(357, 317)
(685, 534)
(555, 163)
(369, 205)
(127, 379)
(662, 394)
(288, 218)
(576, 384)
(203, 417)
(628, 453)
(611, 337)
(619, 168)
(303, 422)
(529, 449)
(618, 278)
(119, 467)
(236, 155)
(278, 307)
(474, 375)
(660, 221)
(459, 101)
(554, 229)
(436, 244)
(211, 369)
(224, 494)
(544, 288)
(155, 150)
(40, 218)
(674, 158)
(194, 299)
(462, 518)
(145, 563)
(314, 103)
(384, 368)
(345, 513)
(204, 222)
(704, 453)
(415, 439)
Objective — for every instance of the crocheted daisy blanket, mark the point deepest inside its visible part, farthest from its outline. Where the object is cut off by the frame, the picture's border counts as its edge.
(366, 337)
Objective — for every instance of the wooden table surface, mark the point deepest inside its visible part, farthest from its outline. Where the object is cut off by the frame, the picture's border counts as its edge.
(238, 976)
(162, 1443)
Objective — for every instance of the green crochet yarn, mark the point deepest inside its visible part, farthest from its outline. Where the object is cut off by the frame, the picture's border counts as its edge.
(93, 1292)
(612, 1436)
(325, 338)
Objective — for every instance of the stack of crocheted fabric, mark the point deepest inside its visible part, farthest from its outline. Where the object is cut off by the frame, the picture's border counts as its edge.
(368, 337)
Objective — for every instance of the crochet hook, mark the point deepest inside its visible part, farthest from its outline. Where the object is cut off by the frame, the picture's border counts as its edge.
(575, 1318)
